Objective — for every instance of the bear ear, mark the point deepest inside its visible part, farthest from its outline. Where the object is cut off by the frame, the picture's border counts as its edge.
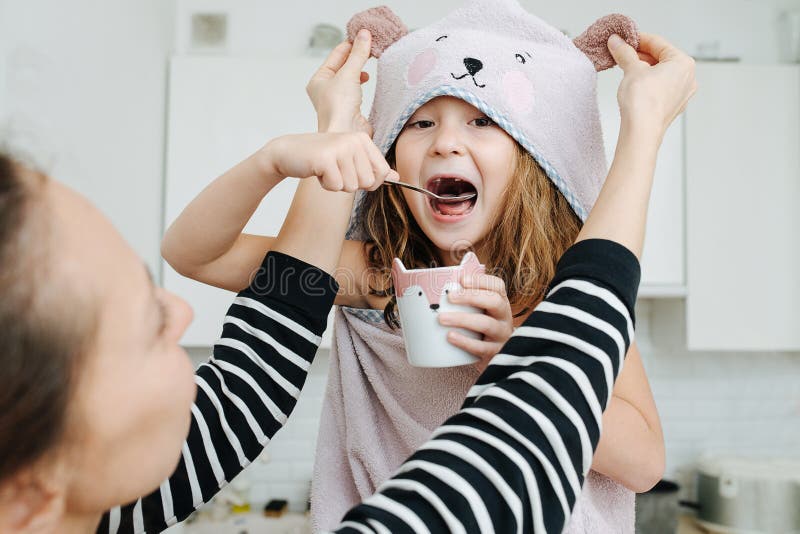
(386, 28)
(594, 41)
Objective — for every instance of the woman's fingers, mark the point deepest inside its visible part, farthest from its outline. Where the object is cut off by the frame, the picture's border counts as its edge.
(658, 47)
(334, 61)
(359, 54)
(647, 58)
(623, 53)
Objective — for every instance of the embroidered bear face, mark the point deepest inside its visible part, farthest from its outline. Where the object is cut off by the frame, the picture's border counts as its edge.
(454, 58)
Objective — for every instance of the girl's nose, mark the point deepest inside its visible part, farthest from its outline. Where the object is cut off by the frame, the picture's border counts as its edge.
(447, 141)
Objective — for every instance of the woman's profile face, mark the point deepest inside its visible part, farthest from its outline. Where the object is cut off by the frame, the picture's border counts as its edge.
(132, 404)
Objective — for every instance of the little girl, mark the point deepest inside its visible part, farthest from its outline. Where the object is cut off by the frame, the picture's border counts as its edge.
(489, 100)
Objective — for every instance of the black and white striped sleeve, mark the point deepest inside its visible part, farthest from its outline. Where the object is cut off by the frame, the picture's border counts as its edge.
(245, 392)
(514, 458)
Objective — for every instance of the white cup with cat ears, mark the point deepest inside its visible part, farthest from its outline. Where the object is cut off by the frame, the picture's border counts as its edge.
(421, 295)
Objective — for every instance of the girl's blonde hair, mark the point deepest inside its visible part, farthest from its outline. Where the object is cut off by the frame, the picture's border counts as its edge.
(532, 228)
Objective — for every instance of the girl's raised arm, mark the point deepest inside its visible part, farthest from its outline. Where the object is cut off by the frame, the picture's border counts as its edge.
(206, 242)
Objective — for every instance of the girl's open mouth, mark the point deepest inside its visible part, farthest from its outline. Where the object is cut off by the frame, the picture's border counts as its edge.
(451, 187)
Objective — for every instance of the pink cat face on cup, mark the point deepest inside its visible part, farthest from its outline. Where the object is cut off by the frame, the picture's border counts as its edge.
(421, 296)
(432, 281)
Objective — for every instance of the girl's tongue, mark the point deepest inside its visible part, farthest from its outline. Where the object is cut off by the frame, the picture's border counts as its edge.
(452, 208)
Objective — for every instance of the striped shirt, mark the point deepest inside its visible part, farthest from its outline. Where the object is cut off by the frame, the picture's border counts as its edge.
(512, 460)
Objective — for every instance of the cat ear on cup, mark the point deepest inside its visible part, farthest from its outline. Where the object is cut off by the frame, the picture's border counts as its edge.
(385, 27)
(594, 41)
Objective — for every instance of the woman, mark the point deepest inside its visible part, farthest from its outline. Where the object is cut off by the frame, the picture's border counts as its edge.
(97, 393)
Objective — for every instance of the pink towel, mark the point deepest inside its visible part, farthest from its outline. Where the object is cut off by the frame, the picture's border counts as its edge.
(378, 409)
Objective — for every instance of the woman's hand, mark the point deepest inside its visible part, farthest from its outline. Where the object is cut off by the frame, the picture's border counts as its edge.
(495, 325)
(341, 161)
(658, 83)
(335, 89)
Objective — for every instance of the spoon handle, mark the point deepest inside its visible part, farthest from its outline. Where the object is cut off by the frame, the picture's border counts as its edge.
(412, 187)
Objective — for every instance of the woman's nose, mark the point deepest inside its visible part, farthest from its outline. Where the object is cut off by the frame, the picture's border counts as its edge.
(183, 314)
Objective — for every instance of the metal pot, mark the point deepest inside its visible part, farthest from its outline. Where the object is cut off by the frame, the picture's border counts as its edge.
(657, 509)
(747, 496)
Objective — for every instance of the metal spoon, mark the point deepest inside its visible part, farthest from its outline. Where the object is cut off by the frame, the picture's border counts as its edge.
(459, 198)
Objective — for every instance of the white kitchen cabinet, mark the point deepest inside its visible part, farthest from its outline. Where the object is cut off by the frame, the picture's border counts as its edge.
(742, 208)
(220, 110)
(663, 255)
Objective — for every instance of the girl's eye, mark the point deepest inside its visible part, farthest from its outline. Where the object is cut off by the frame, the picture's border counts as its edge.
(421, 124)
(483, 122)
(520, 58)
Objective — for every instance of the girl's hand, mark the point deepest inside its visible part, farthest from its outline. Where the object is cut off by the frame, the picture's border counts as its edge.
(340, 161)
(658, 83)
(335, 89)
(495, 325)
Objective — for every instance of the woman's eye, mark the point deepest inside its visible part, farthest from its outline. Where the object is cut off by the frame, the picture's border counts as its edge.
(483, 122)
(520, 58)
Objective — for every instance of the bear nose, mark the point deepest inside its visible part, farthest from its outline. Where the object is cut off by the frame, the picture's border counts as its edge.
(473, 65)
(434, 306)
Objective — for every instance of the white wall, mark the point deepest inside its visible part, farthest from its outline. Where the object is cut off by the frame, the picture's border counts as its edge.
(745, 28)
(82, 86)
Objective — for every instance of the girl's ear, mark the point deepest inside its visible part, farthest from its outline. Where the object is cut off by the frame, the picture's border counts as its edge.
(594, 41)
(386, 28)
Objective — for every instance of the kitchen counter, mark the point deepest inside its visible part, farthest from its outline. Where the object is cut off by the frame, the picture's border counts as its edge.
(251, 523)
(291, 523)
(687, 525)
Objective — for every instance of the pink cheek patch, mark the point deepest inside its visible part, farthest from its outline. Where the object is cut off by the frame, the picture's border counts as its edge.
(421, 66)
(518, 91)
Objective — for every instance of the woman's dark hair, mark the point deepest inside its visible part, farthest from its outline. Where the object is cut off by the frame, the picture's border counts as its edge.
(41, 338)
